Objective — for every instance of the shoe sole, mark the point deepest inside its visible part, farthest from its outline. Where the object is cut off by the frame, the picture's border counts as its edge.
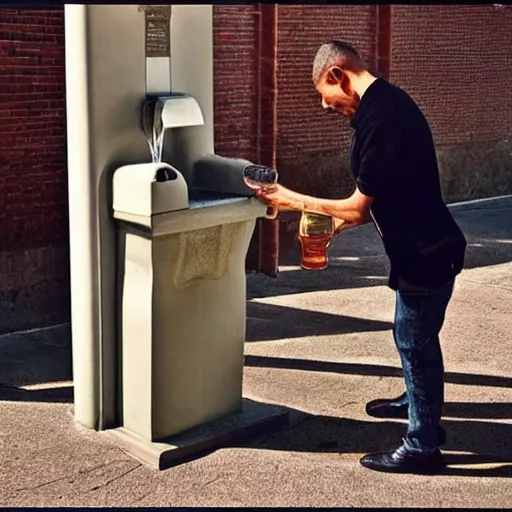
(436, 471)
(402, 415)
(404, 470)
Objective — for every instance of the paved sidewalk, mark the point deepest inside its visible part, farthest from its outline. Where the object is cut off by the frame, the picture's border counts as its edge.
(320, 344)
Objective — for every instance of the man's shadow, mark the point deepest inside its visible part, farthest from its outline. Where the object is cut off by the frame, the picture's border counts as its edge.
(489, 445)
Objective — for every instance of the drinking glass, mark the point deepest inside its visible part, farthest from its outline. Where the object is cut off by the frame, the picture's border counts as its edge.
(257, 176)
(315, 234)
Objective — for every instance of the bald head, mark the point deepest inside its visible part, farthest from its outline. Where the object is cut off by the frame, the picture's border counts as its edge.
(336, 54)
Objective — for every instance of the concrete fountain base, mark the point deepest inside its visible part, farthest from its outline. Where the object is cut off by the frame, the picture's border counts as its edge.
(255, 420)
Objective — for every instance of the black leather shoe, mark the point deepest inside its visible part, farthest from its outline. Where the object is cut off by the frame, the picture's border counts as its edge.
(388, 408)
(403, 460)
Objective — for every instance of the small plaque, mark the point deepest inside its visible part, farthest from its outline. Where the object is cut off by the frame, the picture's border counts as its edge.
(158, 30)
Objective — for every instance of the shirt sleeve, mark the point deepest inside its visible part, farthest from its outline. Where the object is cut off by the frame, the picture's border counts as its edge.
(377, 158)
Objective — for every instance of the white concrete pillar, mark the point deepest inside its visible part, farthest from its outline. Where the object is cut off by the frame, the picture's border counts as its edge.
(105, 82)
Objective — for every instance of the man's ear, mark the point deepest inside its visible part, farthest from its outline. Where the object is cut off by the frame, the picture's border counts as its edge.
(335, 75)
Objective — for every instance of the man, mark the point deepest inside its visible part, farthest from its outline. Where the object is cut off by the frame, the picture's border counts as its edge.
(394, 163)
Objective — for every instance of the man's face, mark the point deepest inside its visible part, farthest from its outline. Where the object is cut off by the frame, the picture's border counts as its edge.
(337, 94)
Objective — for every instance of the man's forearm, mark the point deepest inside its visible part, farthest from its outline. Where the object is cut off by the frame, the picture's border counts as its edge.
(343, 209)
(350, 210)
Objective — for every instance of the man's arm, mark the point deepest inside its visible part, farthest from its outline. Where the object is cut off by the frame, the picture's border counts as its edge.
(378, 153)
(352, 210)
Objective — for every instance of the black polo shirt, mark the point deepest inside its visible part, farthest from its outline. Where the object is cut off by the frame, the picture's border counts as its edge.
(394, 161)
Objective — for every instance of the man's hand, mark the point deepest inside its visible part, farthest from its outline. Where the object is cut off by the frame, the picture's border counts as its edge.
(341, 225)
(338, 225)
(281, 197)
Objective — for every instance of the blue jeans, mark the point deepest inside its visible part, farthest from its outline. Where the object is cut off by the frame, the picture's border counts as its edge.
(418, 321)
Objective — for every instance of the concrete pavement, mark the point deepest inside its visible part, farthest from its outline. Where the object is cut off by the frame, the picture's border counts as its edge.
(320, 344)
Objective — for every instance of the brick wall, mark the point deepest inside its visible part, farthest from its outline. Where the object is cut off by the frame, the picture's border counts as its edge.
(235, 31)
(456, 61)
(33, 182)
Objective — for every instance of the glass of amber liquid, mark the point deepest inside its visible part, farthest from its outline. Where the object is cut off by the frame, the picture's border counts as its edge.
(315, 234)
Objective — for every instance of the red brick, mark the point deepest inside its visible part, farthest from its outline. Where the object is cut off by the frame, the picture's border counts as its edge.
(33, 169)
(456, 61)
(235, 31)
